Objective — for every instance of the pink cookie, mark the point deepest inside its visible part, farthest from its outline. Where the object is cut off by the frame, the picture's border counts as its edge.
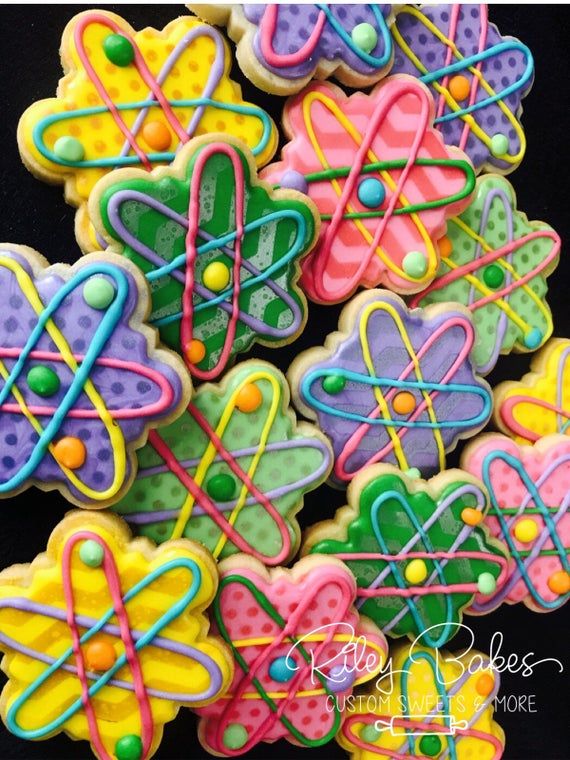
(300, 648)
(529, 489)
(382, 180)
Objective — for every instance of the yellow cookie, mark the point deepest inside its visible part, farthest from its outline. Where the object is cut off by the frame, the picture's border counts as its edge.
(132, 98)
(105, 637)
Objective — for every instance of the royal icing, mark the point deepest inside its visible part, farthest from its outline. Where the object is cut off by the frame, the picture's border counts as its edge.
(105, 638)
(219, 249)
(539, 404)
(393, 385)
(80, 380)
(416, 550)
(495, 262)
(133, 98)
(298, 644)
(232, 471)
(431, 704)
(477, 76)
(382, 180)
(529, 490)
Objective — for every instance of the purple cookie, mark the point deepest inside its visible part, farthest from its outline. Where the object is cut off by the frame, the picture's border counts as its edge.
(80, 380)
(393, 385)
(281, 47)
(478, 90)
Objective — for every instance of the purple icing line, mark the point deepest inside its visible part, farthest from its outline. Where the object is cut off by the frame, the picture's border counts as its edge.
(143, 250)
(560, 388)
(143, 518)
(88, 622)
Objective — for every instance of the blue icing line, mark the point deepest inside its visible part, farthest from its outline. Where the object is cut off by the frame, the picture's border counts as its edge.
(374, 61)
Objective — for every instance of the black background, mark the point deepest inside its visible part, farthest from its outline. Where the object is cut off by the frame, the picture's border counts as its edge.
(36, 215)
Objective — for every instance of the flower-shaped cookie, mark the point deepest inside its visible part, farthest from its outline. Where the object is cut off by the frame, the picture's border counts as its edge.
(300, 648)
(416, 549)
(431, 704)
(132, 98)
(495, 262)
(220, 249)
(232, 471)
(280, 47)
(382, 180)
(104, 638)
(80, 379)
(477, 76)
(393, 385)
(529, 489)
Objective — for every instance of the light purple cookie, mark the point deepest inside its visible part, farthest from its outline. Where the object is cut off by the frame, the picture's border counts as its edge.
(393, 385)
(478, 79)
(80, 379)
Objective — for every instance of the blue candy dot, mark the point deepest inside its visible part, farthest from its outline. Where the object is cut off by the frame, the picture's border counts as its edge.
(533, 338)
(371, 192)
(282, 669)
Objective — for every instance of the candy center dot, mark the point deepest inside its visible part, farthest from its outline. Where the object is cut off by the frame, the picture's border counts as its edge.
(415, 264)
(445, 246)
(459, 87)
(221, 487)
(416, 571)
(294, 180)
(471, 516)
(216, 276)
(157, 135)
(235, 736)
(43, 381)
(370, 734)
(340, 679)
(526, 530)
(404, 402)
(364, 37)
(493, 276)
(195, 351)
(333, 384)
(282, 669)
(129, 747)
(413, 472)
(91, 553)
(118, 49)
(499, 144)
(559, 582)
(100, 656)
(430, 746)
(486, 584)
(249, 398)
(485, 684)
(371, 192)
(533, 338)
(70, 452)
(98, 293)
(69, 149)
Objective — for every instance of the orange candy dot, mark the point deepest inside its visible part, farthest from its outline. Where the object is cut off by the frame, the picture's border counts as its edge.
(559, 583)
(157, 135)
(70, 452)
(471, 516)
(249, 398)
(195, 351)
(459, 87)
(445, 246)
(100, 656)
(485, 684)
(404, 402)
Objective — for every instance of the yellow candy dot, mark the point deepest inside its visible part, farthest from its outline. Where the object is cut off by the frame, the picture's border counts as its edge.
(70, 452)
(415, 572)
(526, 530)
(195, 351)
(471, 516)
(249, 398)
(459, 87)
(559, 583)
(216, 276)
(404, 402)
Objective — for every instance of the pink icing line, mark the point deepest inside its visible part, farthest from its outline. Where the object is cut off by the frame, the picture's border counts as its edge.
(506, 412)
(267, 32)
(117, 414)
(142, 69)
(186, 326)
(457, 588)
(478, 263)
(114, 584)
(355, 439)
(319, 261)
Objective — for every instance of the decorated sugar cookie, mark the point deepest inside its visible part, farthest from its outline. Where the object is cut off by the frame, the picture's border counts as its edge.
(432, 704)
(393, 385)
(280, 47)
(539, 404)
(232, 471)
(529, 489)
(382, 180)
(105, 638)
(81, 381)
(300, 649)
(220, 250)
(417, 550)
(477, 76)
(132, 98)
(495, 262)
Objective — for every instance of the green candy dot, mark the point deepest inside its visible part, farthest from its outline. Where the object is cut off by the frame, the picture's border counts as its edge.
(43, 381)
(118, 50)
(369, 733)
(493, 276)
(364, 37)
(221, 487)
(91, 553)
(415, 264)
(499, 144)
(413, 472)
(486, 584)
(69, 149)
(129, 747)
(235, 736)
(98, 292)
(430, 745)
(334, 384)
